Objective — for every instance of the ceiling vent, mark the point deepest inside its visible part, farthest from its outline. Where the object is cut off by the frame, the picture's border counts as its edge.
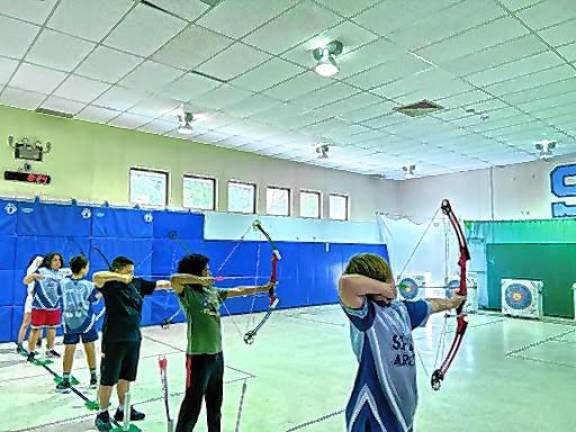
(211, 2)
(53, 113)
(418, 109)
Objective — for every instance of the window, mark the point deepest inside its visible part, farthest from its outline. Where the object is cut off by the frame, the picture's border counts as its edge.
(148, 187)
(338, 207)
(241, 197)
(199, 192)
(310, 204)
(278, 201)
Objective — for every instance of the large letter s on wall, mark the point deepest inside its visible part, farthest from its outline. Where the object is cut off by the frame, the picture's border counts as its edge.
(560, 188)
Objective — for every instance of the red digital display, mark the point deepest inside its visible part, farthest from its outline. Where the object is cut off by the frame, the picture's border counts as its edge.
(25, 177)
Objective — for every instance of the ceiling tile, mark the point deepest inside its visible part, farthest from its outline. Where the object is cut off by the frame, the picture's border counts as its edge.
(62, 105)
(221, 97)
(189, 10)
(330, 93)
(192, 47)
(21, 98)
(188, 87)
(155, 107)
(36, 78)
(351, 103)
(133, 33)
(251, 105)
(107, 64)
(267, 75)
(547, 13)
(16, 37)
(233, 61)
(97, 114)
(347, 8)
(81, 89)
(533, 80)
(488, 35)
(515, 69)
(297, 86)
(293, 27)
(119, 98)
(235, 19)
(48, 51)
(150, 76)
(568, 51)
(462, 17)
(376, 110)
(159, 126)
(540, 92)
(88, 19)
(7, 68)
(560, 34)
(130, 121)
(29, 10)
(397, 68)
(505, 52)
(390, 15)
(367, 56)
(351, 35)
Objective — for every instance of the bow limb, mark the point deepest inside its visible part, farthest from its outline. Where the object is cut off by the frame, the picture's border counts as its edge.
(461, 318)
(274, 300)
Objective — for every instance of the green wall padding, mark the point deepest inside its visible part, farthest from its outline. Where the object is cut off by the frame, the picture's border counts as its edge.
(525, 231)
(555, 264)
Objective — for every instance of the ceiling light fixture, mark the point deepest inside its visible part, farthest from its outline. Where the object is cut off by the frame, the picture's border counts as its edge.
(409, 171)
(322, 151)
(545, 148)
(324, 55)
(185, 119)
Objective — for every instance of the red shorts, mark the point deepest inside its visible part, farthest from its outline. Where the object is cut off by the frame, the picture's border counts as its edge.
(45, 318)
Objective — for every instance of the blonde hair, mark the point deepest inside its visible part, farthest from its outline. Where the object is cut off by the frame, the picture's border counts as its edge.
(369, 265)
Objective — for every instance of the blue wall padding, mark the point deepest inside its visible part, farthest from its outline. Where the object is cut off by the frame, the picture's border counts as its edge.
(6, 288)
(123, 223)
(7, 247)
(138, 250)
(308, 272)
(37, 219)
(188, 226)
(28, 247)
(8, 217)
(167, 253)
(6, 323)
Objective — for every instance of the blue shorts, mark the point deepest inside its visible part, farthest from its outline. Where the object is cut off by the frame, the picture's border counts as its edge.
(74, 338)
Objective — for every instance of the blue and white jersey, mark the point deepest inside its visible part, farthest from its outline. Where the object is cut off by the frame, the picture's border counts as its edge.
(384, 396)
(47, 292)
(78, 296)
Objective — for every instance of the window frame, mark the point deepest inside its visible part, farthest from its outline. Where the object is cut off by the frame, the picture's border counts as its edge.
(214, 190)
(149, 170)
(319, 195)
(282, 188)
(246, 183)
(340, 195)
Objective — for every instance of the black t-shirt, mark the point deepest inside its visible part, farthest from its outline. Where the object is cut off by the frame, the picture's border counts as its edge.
(124, 309)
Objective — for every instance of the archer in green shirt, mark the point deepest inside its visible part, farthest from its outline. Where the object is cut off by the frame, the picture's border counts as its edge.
(201, 303)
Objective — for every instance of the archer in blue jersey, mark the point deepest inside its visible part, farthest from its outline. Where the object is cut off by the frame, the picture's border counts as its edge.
(384, 396)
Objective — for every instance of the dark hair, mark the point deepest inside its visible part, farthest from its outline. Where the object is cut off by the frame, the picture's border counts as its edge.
(120, 262)
(48, 259)
(78, 263)
(193, 264)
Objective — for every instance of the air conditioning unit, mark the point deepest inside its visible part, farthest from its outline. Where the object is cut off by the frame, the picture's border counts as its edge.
(410, 286)
(471, 305)
(522, 297)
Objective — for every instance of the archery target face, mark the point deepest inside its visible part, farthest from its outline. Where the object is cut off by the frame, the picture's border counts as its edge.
(451, 288)
(408, 288)
(518, 296)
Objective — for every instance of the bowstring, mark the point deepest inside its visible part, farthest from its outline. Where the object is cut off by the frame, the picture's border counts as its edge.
(251, 319)
(218, 273)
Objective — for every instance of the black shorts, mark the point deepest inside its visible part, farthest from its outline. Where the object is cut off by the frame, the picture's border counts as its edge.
(119, 362)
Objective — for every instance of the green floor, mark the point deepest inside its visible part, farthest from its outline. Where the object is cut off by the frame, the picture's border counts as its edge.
(510, 375)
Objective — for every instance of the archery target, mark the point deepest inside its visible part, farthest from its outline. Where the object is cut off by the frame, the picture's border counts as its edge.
(521, 298)
(409, 288)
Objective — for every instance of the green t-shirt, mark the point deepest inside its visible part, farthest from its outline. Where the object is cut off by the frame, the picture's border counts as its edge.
(201, 305)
